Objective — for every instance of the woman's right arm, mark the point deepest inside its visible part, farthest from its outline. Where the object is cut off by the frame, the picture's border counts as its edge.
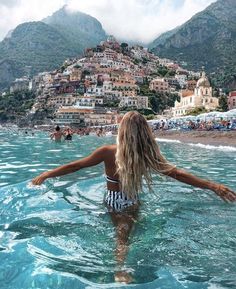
(221, 190)
(95, 158)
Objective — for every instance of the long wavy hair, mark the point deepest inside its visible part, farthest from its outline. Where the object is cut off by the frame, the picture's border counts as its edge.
(138, 154)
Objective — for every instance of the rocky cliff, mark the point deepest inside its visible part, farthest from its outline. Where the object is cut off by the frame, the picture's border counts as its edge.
(207, 39)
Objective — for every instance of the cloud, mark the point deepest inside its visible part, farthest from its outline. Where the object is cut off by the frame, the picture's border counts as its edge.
(15, 12)
(9, 3)
(140, 20)
(137, 20)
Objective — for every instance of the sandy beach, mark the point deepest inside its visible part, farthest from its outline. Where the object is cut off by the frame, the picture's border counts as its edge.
(217, 138)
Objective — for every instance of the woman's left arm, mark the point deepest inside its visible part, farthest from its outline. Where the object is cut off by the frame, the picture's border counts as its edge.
(95, 158)
(222, 191)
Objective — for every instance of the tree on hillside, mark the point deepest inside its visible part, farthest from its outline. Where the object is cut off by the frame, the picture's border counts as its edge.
(162, 71)
(196, 111)
(161, 101)
(223, 104)
(84, 74)
(15, 105)
(124, 47)
(154, 103)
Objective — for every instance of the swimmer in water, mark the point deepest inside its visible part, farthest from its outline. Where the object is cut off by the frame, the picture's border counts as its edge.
(57, 134)
(68, 134)
(135, 156)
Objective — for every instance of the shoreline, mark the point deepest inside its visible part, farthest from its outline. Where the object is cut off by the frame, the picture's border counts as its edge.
(215, 138)
(212, 138)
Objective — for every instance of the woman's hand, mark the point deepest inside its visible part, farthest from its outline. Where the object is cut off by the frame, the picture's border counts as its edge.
(39, 179)
(224, 193)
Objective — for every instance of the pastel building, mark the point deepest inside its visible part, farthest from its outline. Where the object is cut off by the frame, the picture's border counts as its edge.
(232, 100)
(159, 84)
(71, 115)
(200, 97)
(20, 84)
(79, 116)
(88, 102)
(62, 100)
(138, 102)
(182, 79)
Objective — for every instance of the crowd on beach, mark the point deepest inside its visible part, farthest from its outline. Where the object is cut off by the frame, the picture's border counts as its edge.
(199, 125)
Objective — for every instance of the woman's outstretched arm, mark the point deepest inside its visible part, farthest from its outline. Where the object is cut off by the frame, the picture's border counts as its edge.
(222, 191)
(94, 159)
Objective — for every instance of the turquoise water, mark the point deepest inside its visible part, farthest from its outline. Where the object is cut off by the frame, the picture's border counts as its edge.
(60, 235)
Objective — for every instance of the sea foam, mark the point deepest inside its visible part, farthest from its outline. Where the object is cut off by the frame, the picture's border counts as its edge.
(211, 147)
(200, 145)
(168, 140)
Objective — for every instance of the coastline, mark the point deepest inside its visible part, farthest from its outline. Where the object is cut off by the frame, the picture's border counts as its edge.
(215, 138)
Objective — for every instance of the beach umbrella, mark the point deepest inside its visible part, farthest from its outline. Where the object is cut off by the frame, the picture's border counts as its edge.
(232, 110)
(216, 114)
(211, 115)
(202, 116)
(231, 113)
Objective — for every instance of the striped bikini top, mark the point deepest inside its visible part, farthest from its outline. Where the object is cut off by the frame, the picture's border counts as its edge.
(111, 180)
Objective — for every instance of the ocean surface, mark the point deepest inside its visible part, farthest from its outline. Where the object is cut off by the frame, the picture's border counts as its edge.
(59, 235)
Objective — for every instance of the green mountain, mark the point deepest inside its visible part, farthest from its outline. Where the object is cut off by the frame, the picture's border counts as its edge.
(44, 45)
(33, 46)
(80, 29)
(207, 39)
(9, 70)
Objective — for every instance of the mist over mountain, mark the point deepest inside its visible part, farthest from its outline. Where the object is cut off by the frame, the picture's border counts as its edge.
(207, 39)
(80, 29)
(44, 45)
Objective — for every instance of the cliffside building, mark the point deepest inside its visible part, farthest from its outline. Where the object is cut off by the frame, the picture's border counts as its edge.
(232, 100)
(159, 84)
(20, 84)
(138, 102)
(200, 97)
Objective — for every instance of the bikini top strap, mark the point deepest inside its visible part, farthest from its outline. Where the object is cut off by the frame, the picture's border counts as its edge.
(111, 180)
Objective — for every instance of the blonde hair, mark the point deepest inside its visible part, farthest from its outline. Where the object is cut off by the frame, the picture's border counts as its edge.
(138, 154)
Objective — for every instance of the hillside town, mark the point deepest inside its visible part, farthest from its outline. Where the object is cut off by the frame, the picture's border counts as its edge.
(112, 78)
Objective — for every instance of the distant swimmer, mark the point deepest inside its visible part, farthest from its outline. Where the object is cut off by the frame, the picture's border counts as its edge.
(68, 134)
(57, 134)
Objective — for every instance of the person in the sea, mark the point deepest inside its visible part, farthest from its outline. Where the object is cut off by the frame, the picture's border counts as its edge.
(134, 158)
(57, 134)
(68, 134)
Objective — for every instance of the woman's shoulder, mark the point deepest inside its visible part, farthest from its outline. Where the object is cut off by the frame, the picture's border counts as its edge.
(111, 147)
(107, 149)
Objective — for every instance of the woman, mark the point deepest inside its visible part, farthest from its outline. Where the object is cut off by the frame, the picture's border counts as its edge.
(134, 158)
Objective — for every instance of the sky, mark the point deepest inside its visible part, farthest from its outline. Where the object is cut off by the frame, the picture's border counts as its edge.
(136, 20)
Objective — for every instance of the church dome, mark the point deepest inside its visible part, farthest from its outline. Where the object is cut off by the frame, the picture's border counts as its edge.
(203, 81)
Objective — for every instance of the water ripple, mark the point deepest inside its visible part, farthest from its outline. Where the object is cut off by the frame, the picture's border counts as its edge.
(59, 235)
